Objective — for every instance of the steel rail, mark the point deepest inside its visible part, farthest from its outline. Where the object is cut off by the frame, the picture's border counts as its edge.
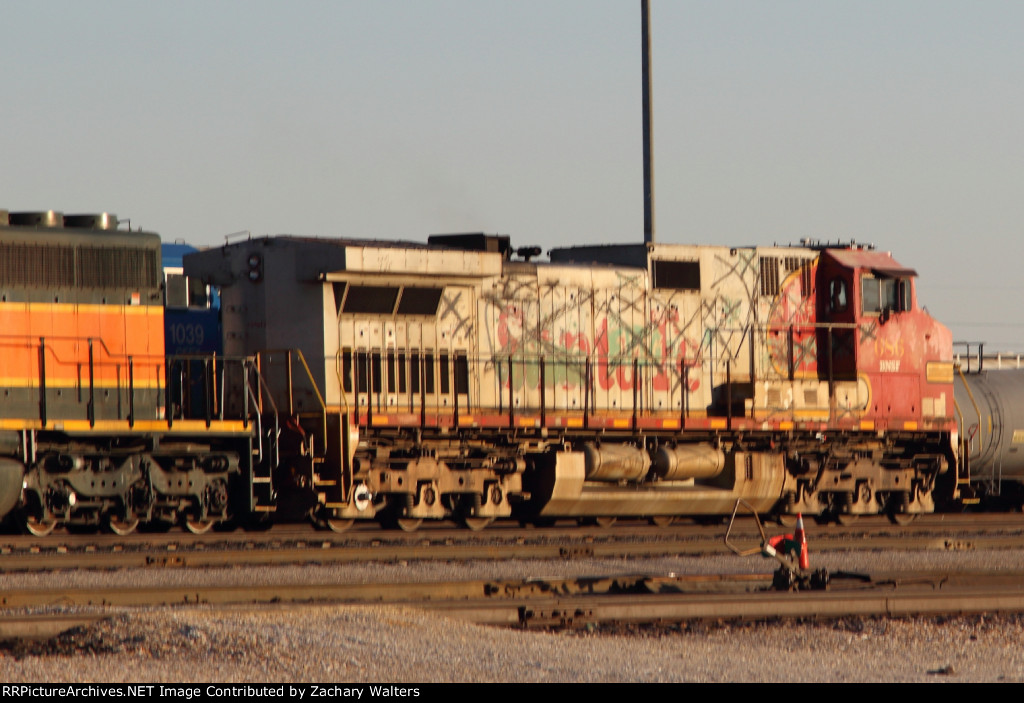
(576, 612)
(578, 602)
(327, 553)
(199, 553)
(376, 592)
(938, 525)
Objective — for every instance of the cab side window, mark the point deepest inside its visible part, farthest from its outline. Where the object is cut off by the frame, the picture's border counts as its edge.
(884, 294)
(870, 295)
(181, 291)
(837, 295)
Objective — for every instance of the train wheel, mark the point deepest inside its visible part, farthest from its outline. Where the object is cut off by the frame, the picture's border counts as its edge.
(477, 523)
(662, 520)
(786, 520)
(337, 524)
(902, 519)
(408, 524)
(198, 527)
(39, 528)
(846, 519)
(122, 527)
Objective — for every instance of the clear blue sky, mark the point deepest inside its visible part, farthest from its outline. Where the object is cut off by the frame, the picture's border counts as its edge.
(897, 123)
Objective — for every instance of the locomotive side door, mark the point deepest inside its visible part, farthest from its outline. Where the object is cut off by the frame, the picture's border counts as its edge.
(837, 332)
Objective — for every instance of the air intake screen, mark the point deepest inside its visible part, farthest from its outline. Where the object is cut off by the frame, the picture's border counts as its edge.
(77, 267)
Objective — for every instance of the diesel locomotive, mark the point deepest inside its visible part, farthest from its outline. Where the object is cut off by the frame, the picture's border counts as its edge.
(90, 433)
(462, 379)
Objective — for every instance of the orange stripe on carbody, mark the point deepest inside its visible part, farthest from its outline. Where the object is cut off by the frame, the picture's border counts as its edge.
(117, 332)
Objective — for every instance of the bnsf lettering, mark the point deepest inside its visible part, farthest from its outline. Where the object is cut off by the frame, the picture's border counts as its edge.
(889, 365)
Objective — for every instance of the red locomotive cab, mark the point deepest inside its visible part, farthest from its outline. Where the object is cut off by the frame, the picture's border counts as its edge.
(889, 364)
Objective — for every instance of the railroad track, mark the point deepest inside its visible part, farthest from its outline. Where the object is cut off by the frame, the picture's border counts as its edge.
(299, 545)
(561, 603)
(568, 602)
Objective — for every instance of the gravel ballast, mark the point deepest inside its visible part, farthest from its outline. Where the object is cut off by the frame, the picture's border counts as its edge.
(380, 644)
(384, 644)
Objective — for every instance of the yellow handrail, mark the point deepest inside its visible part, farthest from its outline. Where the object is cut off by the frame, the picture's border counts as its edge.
(977, 410)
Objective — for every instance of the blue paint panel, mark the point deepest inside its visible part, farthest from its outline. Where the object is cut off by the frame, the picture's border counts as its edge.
(192, 331)
(174, 254)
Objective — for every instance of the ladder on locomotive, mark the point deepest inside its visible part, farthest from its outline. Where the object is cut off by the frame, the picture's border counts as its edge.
(322, 435)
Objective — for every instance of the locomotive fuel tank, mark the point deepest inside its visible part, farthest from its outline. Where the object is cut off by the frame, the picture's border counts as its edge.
(622, 462)
(990, 415)
(689, 461)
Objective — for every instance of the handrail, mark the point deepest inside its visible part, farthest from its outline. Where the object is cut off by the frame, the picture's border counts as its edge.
(312, 383)
(980, 356)
(341, 378)
(977, 410)
(213, 390)
(518, 380)
(263, 384)
(962, 449)
(309, 376)
(259, 425)
(32, 342)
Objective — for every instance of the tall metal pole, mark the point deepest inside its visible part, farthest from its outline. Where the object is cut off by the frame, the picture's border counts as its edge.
(645, 11)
